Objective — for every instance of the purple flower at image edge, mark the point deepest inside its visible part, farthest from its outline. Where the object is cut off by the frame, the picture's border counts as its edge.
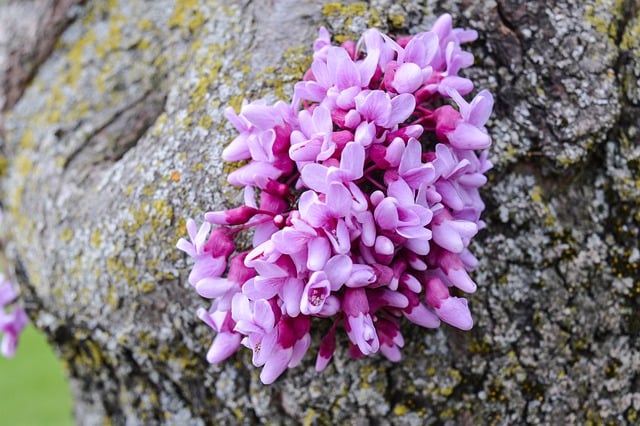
(12, 322)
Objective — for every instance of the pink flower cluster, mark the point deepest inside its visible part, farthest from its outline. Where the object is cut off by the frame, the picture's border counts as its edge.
(11, 322)
(362, 196)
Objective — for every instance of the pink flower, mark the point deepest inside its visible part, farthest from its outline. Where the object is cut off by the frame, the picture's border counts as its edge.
(11, 323)
(452, 310)
(469, 131)
(391, 339)
(451, 234)
(227, 341)
(315, 294)
(209, 250)
(351, 213)
(359, 324)
(314, 139)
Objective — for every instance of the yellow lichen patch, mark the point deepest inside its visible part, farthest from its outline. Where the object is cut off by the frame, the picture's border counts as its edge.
(89, 354)
(397, 21)
(158, 126)
(353, 9)
(145, 24)
(162, 213)
(446, 414)
(160, 61)
(536, 194)
(146, 286)
(54, 103)
(238, 413)
(196, 21)
(367, 373)
(400, 410)
(205, 122)
(310, 417)
(208, 64)
(149, 190)
(26, 142)
(187, 15)
(80, 109)
(345, 18)
(75, 58)
(96, 238)
(332, 8)
(157, 215)
(477, 346)
(113, 40)
(602, 15)
(4, 165)
(374, 18)
(182, 227)
(118, 271)
(106, 72)
(175, 176)
(296, 61)
(144, 44)
(66, 235)
(235, 102)
(631, 37)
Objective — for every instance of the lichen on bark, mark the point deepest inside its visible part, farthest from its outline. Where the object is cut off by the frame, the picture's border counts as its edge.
(117, 138)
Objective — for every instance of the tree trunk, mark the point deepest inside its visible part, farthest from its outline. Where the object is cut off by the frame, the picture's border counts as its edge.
(112, 131)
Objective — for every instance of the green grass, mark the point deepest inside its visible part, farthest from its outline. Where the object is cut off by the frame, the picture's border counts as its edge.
(33, 387)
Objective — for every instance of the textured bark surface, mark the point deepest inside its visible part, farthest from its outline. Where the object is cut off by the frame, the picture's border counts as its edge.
(111, 135)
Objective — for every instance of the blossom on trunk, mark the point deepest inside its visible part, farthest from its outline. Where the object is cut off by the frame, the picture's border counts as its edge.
(362, 197)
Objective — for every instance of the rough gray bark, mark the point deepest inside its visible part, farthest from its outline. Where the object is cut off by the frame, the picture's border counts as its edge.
(112, 135)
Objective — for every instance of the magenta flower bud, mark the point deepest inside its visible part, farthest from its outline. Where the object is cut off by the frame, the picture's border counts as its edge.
(446, 119)
(453, 268)
(355, 302)
(276, 188)
(419, 314)
(436, 292)
(452, 310)
(327, 348)
(384, 274)
(389, 74)
(350, 47)
(236, 216)
(411, 282)
(341, 138)
(238, 272)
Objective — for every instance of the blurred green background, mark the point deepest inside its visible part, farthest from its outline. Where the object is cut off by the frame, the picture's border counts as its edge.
(33, 386)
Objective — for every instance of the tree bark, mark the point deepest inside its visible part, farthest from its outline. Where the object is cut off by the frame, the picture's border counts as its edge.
(111, 134)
